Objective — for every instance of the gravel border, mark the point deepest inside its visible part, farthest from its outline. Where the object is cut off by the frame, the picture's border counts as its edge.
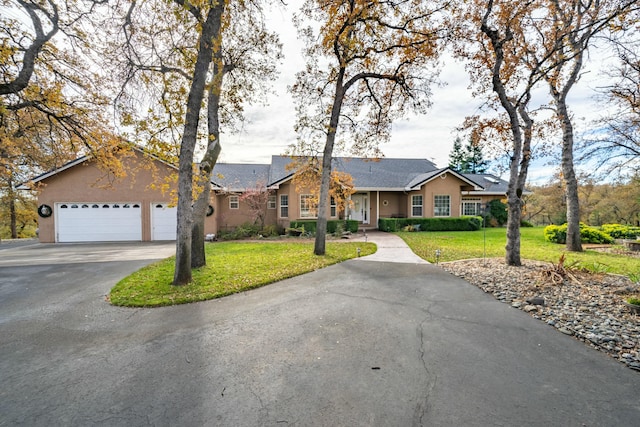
(590, 307)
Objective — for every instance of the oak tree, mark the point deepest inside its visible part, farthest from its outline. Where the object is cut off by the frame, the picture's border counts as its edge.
(216, 54)
(52, 108)
(493, 42)
(565, 31)
(368, 63)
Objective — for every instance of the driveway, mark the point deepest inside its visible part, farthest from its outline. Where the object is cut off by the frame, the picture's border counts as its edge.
(356, 344)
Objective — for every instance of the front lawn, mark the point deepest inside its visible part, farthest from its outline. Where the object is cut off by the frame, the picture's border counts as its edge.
(471, 244)
(231, 267)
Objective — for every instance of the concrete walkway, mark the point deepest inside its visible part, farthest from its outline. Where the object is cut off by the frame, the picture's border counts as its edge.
(391, 248)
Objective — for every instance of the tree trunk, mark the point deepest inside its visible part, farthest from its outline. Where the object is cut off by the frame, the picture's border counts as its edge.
(210, 29)
(201, 205)
(574, 242)
(325, 180)
(198, 256)
(517, 174)
(13, 216)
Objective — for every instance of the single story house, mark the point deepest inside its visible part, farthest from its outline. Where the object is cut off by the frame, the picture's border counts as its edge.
(386, 187)
(80, 202)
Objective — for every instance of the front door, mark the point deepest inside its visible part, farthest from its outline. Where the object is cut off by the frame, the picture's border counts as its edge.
(360, 208)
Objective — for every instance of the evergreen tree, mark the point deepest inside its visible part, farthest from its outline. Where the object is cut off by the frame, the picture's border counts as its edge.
(457, 156)
(474, 160)
(468, 159)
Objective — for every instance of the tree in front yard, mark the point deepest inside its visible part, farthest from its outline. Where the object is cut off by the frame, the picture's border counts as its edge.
(197, 63)
(368, 63)
(307, 177)
(256, 199)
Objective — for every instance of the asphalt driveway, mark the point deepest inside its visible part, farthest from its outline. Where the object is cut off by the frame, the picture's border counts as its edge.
(357, 344)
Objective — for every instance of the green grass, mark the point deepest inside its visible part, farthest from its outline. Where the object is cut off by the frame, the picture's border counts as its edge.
(231, 267)
(471, 244)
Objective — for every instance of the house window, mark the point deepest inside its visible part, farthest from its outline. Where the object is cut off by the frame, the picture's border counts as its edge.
(471, 206)
(284, 206)
(442, 205)
(334, 207)
(416, 205)
(234, 202)
(271, 203)
(308, 206)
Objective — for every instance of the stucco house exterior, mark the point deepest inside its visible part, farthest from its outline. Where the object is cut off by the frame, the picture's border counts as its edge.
(79, 202)
(387, 187)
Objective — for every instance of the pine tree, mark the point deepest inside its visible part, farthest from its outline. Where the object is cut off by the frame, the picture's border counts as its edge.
(468, 159)
(457, 156)
(473, 159)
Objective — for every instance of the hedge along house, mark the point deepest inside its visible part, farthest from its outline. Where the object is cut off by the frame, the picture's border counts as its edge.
(384, 188)
(81, 202)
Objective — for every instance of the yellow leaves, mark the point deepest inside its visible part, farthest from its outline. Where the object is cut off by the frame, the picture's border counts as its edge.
(306, 180)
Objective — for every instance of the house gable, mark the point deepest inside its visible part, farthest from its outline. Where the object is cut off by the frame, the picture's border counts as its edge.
(424, 179)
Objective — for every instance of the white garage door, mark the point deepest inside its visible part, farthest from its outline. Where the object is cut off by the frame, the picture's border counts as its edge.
(163, 221)
(98, 222)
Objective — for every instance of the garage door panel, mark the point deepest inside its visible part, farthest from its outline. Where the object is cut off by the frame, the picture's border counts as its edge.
(163, 222)
(98, 222)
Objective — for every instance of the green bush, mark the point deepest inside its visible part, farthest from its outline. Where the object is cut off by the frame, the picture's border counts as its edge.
(558, 234)
(310, 225)
(463, 223)
(555, 233)
(618, 231)
(498, 211)
(270, 231)
(242, 231)
(524, 223)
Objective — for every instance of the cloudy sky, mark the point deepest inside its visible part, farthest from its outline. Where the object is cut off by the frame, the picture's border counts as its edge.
(269, 130)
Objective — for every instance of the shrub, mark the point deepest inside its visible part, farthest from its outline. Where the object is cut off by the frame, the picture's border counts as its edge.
(465, 223)
(558, 234)
(240, 232)
(593, 235)
(524, 223)
(310, 225)
(618, 231)
(270, 231)
(498, 211)
(555, 233)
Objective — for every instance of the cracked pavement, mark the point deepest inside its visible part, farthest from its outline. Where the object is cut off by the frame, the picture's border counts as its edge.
(354, 344)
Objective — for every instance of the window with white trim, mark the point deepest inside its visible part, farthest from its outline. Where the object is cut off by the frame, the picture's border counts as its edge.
(334, 207)
(308, 207)
(271, 202)
(442, 205)
(471, 206)
(416, 205)
(284, 206)
(234, 202)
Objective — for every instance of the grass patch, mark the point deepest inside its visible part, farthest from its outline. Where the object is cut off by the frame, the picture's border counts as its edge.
(457, 245)
(231, 267)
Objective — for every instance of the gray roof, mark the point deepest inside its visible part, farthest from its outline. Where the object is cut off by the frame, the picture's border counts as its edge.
(491, 183)
(239, 176)
(374, 174)
(381, 174)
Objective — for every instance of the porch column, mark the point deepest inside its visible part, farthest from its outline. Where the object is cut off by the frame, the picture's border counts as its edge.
(377, 208)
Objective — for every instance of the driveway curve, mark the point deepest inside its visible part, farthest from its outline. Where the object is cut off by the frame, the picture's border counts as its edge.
(355, 344)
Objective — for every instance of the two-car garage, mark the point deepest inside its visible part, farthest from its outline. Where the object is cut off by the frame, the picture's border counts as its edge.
(108, 222)
(83, 202)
